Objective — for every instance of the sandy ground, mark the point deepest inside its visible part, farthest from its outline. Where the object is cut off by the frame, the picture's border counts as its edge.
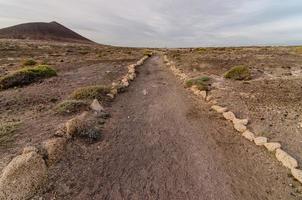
(165, 145)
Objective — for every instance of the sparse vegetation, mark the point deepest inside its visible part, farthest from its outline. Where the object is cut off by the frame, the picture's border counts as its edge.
(29, 62)
(200, 82)
(148, 53)
(91, 92)
(70, 106)
(238, 73)
(201, 50)
(26, 76)
(298, 49)
(7, 131)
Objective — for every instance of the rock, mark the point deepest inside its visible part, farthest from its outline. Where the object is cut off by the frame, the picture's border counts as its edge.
(240, 127)
(209, 98)
(203, 94)
(145, 92)
(76, 124)
(248, 135)
(61, 131)
(297, 174)
(125, 83)
(131, 76)
(260, 141)
(96, 106)
(219, 109)
(272, 146)
(229, 115)
(55, 148)
(241, 121)
(286, 159)
(111, 96)
(29, 149)
(23, 176)
(114, 92)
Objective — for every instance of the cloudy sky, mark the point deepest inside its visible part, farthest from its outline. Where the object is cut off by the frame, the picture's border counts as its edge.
(167, 23)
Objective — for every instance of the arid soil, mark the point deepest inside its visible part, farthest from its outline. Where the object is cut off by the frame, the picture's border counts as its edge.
(161, 144)
(31, 108)
(272, 99)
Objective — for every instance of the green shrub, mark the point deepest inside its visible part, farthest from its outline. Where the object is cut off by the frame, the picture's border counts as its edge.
(7, 131)
(238, 73)
(91, 92)
(70, 106)
(26, 76)
(200, 82)
(29, 62)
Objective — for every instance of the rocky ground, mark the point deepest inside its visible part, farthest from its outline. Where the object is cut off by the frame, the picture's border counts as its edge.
(272, 99)
(28, 112)
(160, 141)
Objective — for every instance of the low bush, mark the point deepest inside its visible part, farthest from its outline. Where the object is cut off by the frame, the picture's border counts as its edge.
(70, 107)
(238, 73)
(91, 92)
(29, 62)
(201, 83)
(148, 53)
(26, 76)
(298, 50)
(7, 131)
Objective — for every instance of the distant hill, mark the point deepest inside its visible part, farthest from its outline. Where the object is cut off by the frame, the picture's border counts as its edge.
(42, 31)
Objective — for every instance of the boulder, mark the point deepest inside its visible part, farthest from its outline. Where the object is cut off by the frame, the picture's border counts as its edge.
(23, 176)
(260, 141)
(219, 109)
(240, 127)
(272, 146)
(229, 115)
(297, 174)
(286, 159)
(96, 106)
(248, 135)
(55, 148)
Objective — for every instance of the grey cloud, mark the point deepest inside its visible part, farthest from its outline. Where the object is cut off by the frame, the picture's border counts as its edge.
(172, 23)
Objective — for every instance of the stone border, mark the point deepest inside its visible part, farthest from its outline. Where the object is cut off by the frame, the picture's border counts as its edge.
(240, 125)
(27, 173)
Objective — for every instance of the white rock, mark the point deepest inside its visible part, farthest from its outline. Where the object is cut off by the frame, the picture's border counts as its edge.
(248, 135)
(229, 115)
(240, 127)
(219, 109)
(260, 141)
(96, 106)
(203, 94)
(297, 174)
(272, 146)
(286, 159)
(241, 121)
(145, 92)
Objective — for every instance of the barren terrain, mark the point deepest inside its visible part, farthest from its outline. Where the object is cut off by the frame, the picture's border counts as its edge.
(160, 142)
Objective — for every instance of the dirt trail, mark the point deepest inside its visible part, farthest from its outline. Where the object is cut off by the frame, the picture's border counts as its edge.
(163, 145)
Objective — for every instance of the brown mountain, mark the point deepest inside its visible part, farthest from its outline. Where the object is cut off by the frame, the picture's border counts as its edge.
(42, 31)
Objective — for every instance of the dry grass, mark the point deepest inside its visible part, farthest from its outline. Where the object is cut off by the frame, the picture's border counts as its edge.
(7, 131)
(71, 107)
(26, 76)
(29, 62)
(238, 73)
(91, 92)
(200, 82)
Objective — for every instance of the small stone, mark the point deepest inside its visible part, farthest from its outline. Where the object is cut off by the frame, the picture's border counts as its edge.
(96, 106)
(260, 141)
(248, 135)
(229, 115)
(29, 149)
(240, 127)
(55, 149)
(203, 94)
(297, 174)
(286, 159)
(219, 109)
(145, 92)
(272, 146)
(241, 121)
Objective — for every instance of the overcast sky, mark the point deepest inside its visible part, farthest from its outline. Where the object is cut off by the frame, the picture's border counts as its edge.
(167, 23)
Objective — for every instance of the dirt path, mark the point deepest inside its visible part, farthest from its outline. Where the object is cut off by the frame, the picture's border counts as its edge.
(164, 146)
